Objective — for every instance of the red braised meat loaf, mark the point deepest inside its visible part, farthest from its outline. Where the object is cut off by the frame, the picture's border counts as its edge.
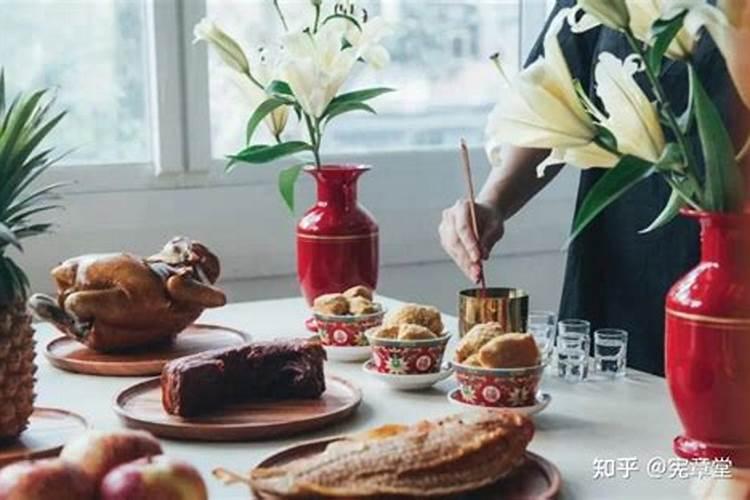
(281, 369)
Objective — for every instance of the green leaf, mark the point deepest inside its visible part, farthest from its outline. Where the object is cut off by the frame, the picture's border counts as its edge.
(333, 111)
(675, 203)
(724, 184)
(628, 172)
(685, 120)
(8, 237)
(287, 180)
(277, 88)
(663, 32)
(264, 154)
(361, 95)
(266, 108)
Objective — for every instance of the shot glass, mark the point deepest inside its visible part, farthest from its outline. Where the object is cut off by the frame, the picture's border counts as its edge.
(572, 348)
(542, 325)
(610, 352)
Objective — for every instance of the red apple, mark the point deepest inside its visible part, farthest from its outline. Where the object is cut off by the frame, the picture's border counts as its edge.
(154, 478)
(97, 452)
(45, 480)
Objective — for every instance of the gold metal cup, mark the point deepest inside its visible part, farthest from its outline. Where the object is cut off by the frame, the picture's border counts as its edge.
(507, 306)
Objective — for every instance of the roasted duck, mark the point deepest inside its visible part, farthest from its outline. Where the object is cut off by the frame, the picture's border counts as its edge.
(118, 301)
(446, 457)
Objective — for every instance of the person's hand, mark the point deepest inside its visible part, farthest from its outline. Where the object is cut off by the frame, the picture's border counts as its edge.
(457, 235)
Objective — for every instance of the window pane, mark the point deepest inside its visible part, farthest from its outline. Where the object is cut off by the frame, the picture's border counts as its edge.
(93, 53)
(440, 66)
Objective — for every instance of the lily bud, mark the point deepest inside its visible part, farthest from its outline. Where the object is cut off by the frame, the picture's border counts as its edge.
(229, 50)
(611, 13)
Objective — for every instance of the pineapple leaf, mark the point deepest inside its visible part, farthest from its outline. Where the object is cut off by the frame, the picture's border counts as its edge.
(8, 237)
(2, 91)
(24, 125)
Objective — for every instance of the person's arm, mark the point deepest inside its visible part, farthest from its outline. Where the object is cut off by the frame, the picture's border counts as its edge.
(507, 189)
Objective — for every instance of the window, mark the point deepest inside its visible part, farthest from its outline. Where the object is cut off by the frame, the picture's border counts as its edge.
(440, 65)
(148, 104)
(93, 53)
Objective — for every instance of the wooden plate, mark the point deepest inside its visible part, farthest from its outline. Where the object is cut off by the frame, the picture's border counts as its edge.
(67, 354)
(537, 478)
(49, 429)
(139, 407)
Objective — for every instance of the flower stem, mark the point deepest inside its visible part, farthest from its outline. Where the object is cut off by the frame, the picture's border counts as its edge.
(317, 18)
(281, 14)
(666, 106)
(314, 132)
(254, 81)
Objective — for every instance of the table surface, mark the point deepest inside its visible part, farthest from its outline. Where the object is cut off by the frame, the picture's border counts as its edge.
(596, 419)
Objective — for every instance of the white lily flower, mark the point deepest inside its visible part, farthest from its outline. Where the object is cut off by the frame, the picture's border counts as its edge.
(541, 109)
(643, 14)
(316, 67)
(611, 13)
(229, 50)
(367, 42)
(729, 26)
(631, 117)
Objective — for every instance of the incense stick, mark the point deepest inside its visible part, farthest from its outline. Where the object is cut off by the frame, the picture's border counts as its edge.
(475, 227)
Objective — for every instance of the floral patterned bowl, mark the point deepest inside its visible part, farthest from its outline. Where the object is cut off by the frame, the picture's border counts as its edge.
(408, 357)
(347, 331)
(498, 387)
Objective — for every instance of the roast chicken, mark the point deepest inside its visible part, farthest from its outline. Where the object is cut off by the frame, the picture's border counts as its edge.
(113, 302)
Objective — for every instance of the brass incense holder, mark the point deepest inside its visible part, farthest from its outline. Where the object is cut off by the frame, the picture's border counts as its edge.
(507, 306)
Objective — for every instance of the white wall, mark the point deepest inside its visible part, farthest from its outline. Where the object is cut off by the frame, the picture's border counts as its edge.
(248, 227)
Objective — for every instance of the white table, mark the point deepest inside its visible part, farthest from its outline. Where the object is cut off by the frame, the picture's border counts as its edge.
(604, 419)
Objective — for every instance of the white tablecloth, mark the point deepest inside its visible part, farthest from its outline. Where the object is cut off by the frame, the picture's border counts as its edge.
(605, 420)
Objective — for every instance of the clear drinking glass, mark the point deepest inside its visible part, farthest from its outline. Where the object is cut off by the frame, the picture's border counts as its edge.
(541, 324)
(573, 346)
(610, 352)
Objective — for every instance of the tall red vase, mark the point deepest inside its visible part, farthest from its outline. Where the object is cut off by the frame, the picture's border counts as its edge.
(337, 239)
(708, 343)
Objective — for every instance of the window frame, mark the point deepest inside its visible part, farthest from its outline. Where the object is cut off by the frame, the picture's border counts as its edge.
(180, 115)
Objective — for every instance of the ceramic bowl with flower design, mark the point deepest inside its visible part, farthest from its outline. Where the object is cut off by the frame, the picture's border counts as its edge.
(407, 357)
(498, 387)
(347, 330)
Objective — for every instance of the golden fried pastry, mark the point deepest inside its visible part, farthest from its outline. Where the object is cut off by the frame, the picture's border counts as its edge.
(385, 332)
(472, 360)
(359, 291)
(415, 332)
(476, 338)
(416, 314)
(331, 304)
(442, 458)
(512, 350)
(359, 306)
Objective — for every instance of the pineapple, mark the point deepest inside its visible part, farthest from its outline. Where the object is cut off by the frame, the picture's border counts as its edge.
(23, 125)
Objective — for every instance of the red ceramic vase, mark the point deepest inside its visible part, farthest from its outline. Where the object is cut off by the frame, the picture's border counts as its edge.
(337, 239)
(708, 343)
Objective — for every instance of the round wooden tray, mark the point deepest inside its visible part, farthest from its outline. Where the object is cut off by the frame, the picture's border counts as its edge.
(49, 429)
(140, 407)
(537, 478)
(67, 354)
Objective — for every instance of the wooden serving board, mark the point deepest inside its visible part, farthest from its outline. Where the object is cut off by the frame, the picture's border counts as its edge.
(67, 354)
(140, 407)
(48, 431)
(537, 478)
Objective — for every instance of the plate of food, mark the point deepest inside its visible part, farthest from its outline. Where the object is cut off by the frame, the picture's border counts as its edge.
(341, 320)
(70, 355)
(480, 455)
(496, 369)
(125, 314)
(48, 430)
(258, 390)
(406, 382)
